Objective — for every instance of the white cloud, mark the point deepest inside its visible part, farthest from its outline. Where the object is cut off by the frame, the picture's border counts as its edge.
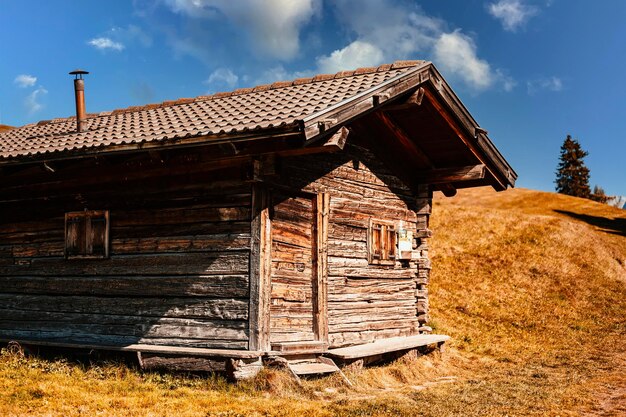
(456, 53)
(513, 14)
(32, 101)
(553, 84)
(25, 80)
(195, 8)
(355, 55)
(387, 30)
(377, 31)
(192, 46)
(272, 25)
(398, 31)
(117, 38)
(106, 43)
(507, 82)
(128, 34)
(223, 77)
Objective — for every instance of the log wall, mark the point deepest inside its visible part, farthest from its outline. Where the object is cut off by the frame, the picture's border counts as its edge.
(180, 252)
(178, 272)
(367, 302)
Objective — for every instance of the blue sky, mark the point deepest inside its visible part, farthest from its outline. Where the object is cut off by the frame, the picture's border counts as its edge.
(530, 71)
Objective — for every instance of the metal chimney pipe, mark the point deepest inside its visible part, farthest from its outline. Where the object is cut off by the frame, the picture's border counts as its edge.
(79, 92)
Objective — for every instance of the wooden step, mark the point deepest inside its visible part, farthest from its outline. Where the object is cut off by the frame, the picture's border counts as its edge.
(299, 347)
(382, 346)
(313, 368)
(308, 365)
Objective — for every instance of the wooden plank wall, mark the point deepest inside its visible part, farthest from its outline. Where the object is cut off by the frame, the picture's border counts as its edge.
(367, 302)
(178, 272)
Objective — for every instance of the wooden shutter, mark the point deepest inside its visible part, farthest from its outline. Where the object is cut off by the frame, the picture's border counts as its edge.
(376, 241)
(87, 234)
(74, 234)
(390, 242)
(381, 242)
(97, 234)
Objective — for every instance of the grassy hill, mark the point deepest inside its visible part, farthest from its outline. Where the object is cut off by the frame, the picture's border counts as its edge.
(530, 285)
(5, 127)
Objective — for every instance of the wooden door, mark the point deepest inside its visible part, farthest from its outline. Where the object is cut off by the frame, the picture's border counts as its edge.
(293, 269)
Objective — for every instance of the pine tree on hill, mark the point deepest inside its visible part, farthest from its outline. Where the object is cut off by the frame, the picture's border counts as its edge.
(572, 176)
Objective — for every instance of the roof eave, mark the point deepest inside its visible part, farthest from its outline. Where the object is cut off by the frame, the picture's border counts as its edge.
(503, 175)
(320, 124)
(287, 130)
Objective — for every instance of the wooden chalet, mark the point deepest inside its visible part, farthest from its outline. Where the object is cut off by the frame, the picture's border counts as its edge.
(284, 220)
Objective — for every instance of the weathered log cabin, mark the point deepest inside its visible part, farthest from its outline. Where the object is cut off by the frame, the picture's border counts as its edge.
(211, 232)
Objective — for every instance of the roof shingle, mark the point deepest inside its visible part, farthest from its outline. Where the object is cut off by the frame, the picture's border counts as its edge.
(246, 109)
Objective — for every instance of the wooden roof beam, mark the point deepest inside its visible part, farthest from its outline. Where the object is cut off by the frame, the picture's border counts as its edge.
(338, 140)
(451, 175)
(414, 100)
(391, 153)
(413, 151)
(49, 167)
(499, 185)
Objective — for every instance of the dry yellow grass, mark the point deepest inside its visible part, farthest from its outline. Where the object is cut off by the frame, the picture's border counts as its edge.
(530, 285)
(535, 283)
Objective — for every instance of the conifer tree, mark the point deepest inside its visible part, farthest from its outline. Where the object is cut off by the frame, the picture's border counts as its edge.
(572, 176)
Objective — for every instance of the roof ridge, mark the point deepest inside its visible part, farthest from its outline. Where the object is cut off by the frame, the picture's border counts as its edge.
(240, 91)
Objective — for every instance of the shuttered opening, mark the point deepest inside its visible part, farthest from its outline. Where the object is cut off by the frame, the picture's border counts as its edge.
(87, 234)
(381, 243)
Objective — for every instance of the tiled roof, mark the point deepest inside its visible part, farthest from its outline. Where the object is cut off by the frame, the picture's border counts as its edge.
(281, 104)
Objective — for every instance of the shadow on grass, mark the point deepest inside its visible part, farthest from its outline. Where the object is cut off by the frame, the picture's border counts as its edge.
(616, 226)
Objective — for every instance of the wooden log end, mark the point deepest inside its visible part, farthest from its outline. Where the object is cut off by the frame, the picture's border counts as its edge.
(241, 369)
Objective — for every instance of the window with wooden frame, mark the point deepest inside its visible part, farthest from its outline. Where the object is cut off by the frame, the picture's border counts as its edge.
(87, 234)
(381, 242)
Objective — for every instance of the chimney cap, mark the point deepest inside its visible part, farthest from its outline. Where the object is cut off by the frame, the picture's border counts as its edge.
(79, 73)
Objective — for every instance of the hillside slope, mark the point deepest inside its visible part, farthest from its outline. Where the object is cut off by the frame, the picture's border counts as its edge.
(530, 285)
(536, 283)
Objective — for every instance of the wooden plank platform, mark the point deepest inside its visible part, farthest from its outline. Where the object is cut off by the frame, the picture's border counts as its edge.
(283, 348)
(315, 365)
(169, 350)
(312, 368)
(379, 347)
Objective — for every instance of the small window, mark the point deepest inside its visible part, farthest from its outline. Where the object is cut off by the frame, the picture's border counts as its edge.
(87, 234)
(381, 243)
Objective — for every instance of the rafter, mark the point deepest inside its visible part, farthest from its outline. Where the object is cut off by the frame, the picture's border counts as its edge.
(414, 100)
(463, 137)
(451, 175)
(338, 140)
(413, 151)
